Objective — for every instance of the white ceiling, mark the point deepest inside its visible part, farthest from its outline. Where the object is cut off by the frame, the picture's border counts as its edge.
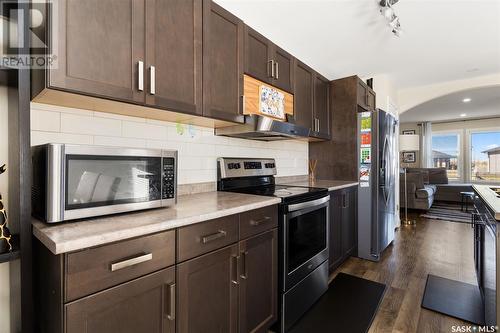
(485, 102)
(443, 39)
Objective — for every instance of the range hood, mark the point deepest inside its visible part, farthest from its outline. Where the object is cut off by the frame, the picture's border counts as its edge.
(264, 129)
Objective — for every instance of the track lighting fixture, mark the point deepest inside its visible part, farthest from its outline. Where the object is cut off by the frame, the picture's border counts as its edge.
(392, 19)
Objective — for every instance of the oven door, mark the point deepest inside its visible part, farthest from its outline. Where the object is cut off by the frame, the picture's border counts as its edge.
(99, 181)
(305, 235)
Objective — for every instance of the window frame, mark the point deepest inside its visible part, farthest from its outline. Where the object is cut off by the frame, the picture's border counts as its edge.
(460, 152)
(468, 152)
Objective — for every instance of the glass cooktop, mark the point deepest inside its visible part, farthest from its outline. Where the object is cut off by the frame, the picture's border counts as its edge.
(285, 192)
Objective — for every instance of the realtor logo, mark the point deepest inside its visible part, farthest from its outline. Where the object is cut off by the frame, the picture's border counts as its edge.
(22, 48)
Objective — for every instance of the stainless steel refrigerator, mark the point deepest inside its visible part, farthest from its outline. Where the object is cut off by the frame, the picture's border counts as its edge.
(377, 172)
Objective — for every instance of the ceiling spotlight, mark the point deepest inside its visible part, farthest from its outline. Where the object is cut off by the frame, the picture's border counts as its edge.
(466, 100)
(387, 12)
(391, 17)
(463, 115)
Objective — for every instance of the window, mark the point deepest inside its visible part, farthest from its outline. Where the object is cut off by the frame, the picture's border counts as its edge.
(485, 156)
(446, 153)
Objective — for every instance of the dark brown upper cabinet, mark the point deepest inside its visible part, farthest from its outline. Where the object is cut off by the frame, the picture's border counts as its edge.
(100, 64)
(303, 95)
(366, 96)
(174, 55)
(208, 292)
(222, 63)
(258, 282)
(258, 55)
(321, 113)
(146, 304)
(267, 62)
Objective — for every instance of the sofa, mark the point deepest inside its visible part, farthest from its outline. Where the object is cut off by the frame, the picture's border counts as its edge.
(420, 193)
(425, 185)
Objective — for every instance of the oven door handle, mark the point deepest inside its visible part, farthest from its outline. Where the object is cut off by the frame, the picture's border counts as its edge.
(308, 204)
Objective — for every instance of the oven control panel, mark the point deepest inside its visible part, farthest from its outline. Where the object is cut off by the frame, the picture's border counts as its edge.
(228, 167)
(168, 178)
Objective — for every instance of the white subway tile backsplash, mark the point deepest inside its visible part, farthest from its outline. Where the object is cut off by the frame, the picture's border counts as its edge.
(46, 121)
(40, 138)
(87, 124)
(132, 129)
(119, 142)
(198, 147)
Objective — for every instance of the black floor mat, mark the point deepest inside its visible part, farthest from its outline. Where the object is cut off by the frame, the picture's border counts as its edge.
(349, 305)
(454, 298)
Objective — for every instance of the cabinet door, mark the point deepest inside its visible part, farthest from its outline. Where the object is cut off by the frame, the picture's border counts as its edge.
(349, 223)
(222, 63)
(370, 99)
(174, 55)
(100, 47)
(321, 121)
(258, 55)
(362, 94)
(303, 95)
(335, 244)
(283, 70)
(258, 282)
(208, 292)
(146, 304)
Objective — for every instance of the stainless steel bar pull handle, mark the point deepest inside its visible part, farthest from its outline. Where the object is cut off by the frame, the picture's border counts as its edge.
(131, 262)
(271, 64)
(140, 76)
(171, 302)
(243, 255)
(212, 237)
(277, 70)
(152, 80)
(234, 269)
(259, 222)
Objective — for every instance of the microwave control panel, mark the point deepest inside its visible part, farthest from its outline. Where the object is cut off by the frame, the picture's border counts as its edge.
(168, 175)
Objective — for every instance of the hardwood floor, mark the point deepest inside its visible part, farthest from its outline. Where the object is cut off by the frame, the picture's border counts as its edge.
(430, 247)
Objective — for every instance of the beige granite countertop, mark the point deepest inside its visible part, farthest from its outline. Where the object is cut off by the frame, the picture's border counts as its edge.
(489, 198)
(331, 185)
(72, 236)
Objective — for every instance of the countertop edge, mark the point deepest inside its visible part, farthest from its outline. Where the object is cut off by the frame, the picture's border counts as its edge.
(480, 190)
(93, 241)
(339, 187)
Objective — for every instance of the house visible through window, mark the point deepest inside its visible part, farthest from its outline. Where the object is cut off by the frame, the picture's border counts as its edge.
(485, 156)
(445, 153)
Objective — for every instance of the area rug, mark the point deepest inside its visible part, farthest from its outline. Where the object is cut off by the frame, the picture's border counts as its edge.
(453, 298)
(448, 212)
(349, 305)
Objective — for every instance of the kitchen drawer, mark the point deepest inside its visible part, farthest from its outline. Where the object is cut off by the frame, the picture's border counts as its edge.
(256, 221)
(98, 268)
(207, 236)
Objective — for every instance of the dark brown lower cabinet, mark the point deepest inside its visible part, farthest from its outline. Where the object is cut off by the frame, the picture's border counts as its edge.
(343, 225)
(208, 292)
(146, 304)
(258, 282)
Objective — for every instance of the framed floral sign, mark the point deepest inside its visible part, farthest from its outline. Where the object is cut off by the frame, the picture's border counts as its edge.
(271, 102)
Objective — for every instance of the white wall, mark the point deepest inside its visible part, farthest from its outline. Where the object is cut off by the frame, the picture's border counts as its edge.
(4, 268)
(198, 146)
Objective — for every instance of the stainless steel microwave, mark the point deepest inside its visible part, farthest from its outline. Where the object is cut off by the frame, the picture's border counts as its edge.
(79, 181)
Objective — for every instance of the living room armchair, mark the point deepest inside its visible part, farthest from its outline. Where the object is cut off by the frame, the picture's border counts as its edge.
(420, 195)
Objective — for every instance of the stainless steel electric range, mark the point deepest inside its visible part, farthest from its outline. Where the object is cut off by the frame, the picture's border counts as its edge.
(303, 232)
